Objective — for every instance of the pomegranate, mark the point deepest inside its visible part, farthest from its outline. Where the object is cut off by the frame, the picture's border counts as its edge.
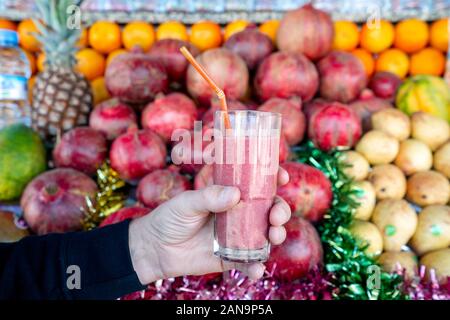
(342, 76)
(135, 77)
(167, 51)
(137, 153)
(293, 120)
(204, 177)
(251, 45)
(160, 186)
(82, 148)
(227, 69)
(384, 85)
(313, 106)
(298, 254)
(284, 149)
(113, 118)
(366, 105)
(124, 214)
(55, 200)
(334, 125)
(306, 30)
(286, 75)
(167, 113)
(308, 191)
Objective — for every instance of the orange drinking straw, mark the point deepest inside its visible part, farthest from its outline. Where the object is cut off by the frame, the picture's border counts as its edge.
(212, 84)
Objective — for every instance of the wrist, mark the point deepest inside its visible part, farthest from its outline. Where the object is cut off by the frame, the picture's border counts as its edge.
(144, 256)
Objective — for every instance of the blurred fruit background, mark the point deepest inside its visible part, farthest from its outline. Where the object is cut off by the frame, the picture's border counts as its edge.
(409, 47)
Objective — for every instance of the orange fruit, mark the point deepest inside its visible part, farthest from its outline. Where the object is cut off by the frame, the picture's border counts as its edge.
(40, 63)
(366, 58)
(114, 54)
(6, 24)
(270, 29)
(31, 82)
(427, 61)
(234, 27)
(31, 61)
(138, 33)
(99, 91)
(394, 61)
(90, 63)
(104, 36)
(346, 35)
(439, 34)
(172, 30)
(83, 42)
(376, 38)
(27, 40)
(206, 35)
(411, 35)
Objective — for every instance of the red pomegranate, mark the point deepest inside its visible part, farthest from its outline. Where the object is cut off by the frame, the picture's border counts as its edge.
(308, 191)
(137, 153)
(124, 214)
(168, 113)
(298, 254)
(366, 105)
(160, 186)
(167, 51)
(306, 30)
(55, 201)
(83, 149)
(227, 69)
(251, 45)
(284, 149)
(135, 77)
(293, 120)
(384, 85)
(312, 106)
(334, 125)
(112, 118)
(342, 77)
(286, 75)
(204, 177)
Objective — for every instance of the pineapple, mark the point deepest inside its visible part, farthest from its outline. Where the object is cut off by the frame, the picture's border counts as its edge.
(62, 97)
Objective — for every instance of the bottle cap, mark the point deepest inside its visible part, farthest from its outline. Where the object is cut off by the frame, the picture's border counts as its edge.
(8, 38)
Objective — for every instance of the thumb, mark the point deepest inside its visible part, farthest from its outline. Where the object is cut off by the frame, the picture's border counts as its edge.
(214, 198)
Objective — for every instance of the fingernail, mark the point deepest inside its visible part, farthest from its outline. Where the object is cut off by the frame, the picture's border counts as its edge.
(227, 193)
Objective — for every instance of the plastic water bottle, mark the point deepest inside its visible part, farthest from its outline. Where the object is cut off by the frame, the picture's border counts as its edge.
(14, 74)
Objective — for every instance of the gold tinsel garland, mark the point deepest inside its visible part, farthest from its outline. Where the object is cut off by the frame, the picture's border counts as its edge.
(108, 199)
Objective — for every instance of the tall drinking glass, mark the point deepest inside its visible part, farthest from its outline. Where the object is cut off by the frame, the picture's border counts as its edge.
(246, 156)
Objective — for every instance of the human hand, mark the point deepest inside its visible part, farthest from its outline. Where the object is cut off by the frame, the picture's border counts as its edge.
(177, 237)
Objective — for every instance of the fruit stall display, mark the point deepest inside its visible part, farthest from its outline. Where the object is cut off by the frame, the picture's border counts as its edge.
(365, 139)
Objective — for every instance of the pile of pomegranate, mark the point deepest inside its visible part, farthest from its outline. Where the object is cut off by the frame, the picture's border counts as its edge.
(157, 96)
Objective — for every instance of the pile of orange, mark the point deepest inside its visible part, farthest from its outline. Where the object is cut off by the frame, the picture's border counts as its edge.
(410, 47)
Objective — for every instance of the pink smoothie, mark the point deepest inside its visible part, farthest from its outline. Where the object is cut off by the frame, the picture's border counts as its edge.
(246, 225)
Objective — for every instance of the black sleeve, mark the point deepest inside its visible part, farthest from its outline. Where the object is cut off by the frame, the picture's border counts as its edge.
(79, 265)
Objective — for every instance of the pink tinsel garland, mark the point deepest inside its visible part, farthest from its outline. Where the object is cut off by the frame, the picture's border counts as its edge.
(233, 285)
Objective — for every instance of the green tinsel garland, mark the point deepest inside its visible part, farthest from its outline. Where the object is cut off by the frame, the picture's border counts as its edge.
(344, 254)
